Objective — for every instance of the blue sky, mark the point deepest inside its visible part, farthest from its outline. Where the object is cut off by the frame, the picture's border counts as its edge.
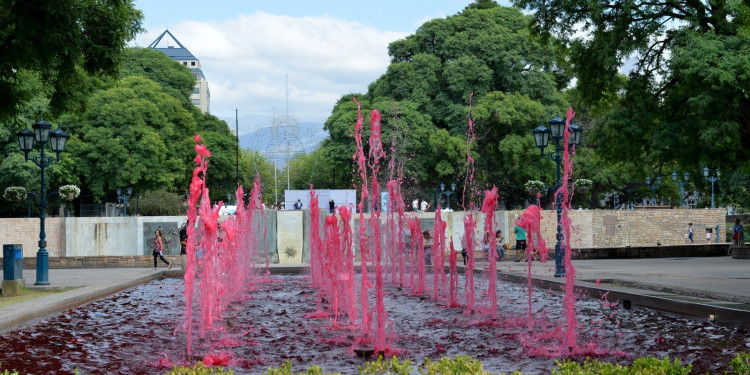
(249, 50)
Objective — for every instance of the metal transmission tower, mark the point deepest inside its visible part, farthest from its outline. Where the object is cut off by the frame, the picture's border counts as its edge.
(285, 143)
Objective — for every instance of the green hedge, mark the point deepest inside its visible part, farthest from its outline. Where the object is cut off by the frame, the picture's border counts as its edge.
(159, 203)
(467, 365)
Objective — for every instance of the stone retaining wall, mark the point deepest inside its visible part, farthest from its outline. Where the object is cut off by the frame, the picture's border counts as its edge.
(510, 255)
(287, 240)
(103, 262)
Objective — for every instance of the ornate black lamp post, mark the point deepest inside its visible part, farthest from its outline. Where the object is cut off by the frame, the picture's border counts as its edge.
(541, 138)
(713, 179)
(653, 188)
(631, 188)
(686, 177)
(123, 198)
(615, 200)
(57, 139)
(448, 192)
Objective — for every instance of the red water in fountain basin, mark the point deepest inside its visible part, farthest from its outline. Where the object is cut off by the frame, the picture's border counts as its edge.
(138, 331)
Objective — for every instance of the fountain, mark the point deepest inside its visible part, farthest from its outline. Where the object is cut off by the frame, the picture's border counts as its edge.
(225, 312)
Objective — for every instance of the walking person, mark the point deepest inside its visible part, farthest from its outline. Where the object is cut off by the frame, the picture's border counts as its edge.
(298, 205)
(690, 232)
(738, 233)
(159, 249)
(520, 241)
(424, 205)
(331, 206)
(183, 245)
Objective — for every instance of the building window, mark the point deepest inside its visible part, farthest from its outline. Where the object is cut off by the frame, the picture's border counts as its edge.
(196, 90)
(184, 63)
(192, 63)
(196, 101)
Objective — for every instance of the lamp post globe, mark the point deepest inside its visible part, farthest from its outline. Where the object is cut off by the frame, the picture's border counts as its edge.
(41, 131)
(26, 141)
(557, 127)
(541, 137)
(574, 139)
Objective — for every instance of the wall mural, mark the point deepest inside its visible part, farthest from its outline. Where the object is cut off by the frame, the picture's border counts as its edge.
(171, 233)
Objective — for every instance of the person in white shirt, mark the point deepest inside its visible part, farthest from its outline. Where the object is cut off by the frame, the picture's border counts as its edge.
(424, 206)
(415, 205)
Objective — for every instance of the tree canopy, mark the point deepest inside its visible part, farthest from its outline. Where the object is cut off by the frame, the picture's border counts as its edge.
(684, 104)
(425, 98)
(137, 131)
(63, 42)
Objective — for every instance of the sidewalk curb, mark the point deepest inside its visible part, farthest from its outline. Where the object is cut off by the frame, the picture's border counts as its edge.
(39, 308)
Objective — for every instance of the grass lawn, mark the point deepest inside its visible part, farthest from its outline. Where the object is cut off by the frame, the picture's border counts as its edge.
(29, 294)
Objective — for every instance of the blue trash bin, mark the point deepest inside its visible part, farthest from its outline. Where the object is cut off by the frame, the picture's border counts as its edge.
(12, 262)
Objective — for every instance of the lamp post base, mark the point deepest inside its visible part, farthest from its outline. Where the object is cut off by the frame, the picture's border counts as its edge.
(42, 267)
(559, 264)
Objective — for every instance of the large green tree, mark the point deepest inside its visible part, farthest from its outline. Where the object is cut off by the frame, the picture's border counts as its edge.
(479, 64)
(685, 103)
(133, 135)
(64, 42)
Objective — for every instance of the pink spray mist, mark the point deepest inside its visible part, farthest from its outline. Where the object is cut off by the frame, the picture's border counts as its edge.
(197, 185)
(488, 208)
(359, 158)
(376, 153)
(570, 299)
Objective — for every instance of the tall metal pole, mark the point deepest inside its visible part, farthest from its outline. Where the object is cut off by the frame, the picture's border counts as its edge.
(237, 134)
(559, 248)
(42, 256)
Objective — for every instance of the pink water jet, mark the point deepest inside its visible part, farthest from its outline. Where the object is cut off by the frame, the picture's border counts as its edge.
(220, 256)
(570, 298)
(376, 153)
(468, 243)
(530, 220)
(359, 158)
(438, 255)
(452, 260)
(418, 257)
(488, 208)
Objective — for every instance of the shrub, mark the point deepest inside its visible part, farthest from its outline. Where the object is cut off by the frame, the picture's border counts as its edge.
(381, 367)
(198, 369)
(159, 203)
(647, 365)
(286, 369)
(462, 364)
(741, 364)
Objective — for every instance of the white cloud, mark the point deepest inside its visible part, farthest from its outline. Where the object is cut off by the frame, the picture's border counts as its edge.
(246, 60)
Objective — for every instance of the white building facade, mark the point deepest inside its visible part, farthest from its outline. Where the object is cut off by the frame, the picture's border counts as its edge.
(201, 96)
